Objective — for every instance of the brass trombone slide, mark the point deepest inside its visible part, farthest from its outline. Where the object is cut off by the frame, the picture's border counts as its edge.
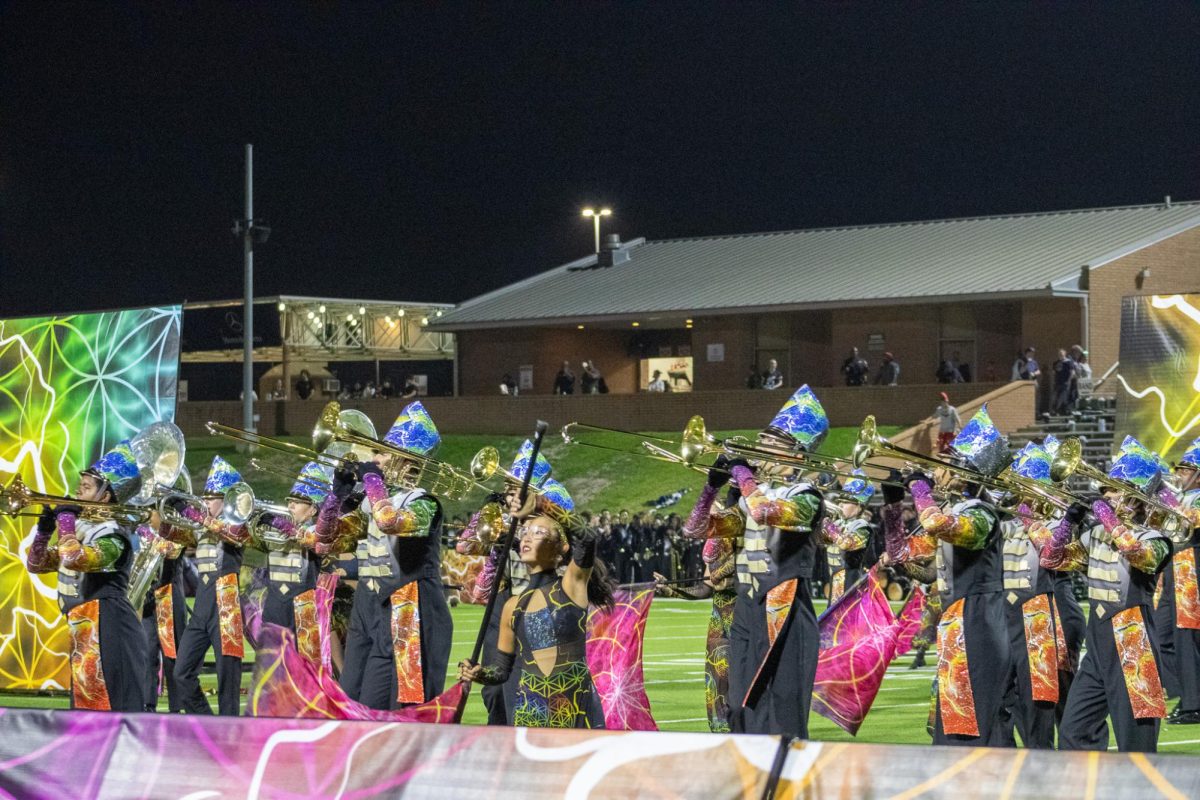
(1068, 462)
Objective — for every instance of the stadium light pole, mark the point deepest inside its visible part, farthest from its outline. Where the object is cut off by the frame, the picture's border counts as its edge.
(596, 215)
(250, 234)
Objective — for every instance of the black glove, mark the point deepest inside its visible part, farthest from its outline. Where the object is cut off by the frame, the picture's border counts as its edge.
(893, 488)
(495, 497)
(913, 477)
(718, 473)
(738, 462)
(369, 468)
(177, 504)
(344, 479)
(583, 547)
(1077, 513)
(69, 508)
(732, 496)
(46, 520)
(352, 502)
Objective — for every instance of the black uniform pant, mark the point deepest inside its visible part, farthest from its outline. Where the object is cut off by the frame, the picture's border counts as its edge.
(989, 658)
(498, 699)
(154, 660)
(1099, 693)
(1165, 634)
(203, 632)
(370, 660)
(782, 698)
(122, 654)
(741, 653)
(1033, 719)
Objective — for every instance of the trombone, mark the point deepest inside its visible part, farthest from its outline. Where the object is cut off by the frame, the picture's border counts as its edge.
(404, 467)
(1068, 463)
(697, 442)
(16, 497)
(871, 445)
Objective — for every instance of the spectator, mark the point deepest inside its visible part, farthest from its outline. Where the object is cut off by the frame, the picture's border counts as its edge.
(855, 368)
(590, 382)
(277, 393)
(657, 384)
(1026, 367)
(964, 369)
(754, 379)
(304, 386)
(889, 372)
(564, 381)
(411, 389)
(386, 389)
(949, 424)
(990, 373)
(947, 372)
(369, 390)
(508, 385)
(772, 378)
(1066, 377)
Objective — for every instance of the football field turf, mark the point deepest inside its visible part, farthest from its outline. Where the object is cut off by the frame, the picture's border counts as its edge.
(674, 672)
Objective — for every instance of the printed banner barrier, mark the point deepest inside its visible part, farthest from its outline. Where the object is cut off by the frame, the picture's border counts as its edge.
(70, 388)
(1159, 374)
(55, 754)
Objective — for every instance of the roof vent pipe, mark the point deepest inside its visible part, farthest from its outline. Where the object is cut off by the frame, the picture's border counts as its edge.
(1168, 201)
(611, 253)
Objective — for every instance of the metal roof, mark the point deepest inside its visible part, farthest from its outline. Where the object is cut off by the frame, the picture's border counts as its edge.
(979, 257)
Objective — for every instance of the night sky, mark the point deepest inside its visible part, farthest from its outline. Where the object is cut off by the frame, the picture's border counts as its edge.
(437, 151)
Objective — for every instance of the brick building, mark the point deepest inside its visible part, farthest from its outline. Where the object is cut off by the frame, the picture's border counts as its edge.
(714, 308)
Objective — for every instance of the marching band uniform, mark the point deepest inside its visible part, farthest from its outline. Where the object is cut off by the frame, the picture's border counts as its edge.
(398, 643)
(846, 539)
(973, 646)
(773, 639)
(498, 699)
(1037, 677)
(108, 648)
(216, 619)
(563, 696)
(1177, 605)
(718, 584)
(293, 566)
(1119, 675)
(164, 616)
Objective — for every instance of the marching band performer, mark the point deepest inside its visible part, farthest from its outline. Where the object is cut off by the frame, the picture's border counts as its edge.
(216, 619)
(1119, 675)
(847, 533)
(545, 626)
(773, 639)
(164, 617)
(398, 642)
(718, 584)
(92, 558)
(292, 563)
(479, 538)
(973, 647)
(1037, 677)
(1177, 599)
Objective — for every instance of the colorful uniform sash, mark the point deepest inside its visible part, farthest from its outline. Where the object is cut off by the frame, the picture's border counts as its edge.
(308, 630)
(1187, 594)
(1045, 646)
(778, 602)
(406, 644)
(164, 618)
(88, 689)
(326, 587)
(956, 698)
(229, 616)
(1137, 664)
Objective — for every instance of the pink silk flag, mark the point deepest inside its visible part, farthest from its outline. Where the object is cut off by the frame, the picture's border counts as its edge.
(286, 684)
(858, 640)
(908, 624)
(614, 656)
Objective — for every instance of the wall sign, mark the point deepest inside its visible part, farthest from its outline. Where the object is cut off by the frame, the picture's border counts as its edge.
(716, 352)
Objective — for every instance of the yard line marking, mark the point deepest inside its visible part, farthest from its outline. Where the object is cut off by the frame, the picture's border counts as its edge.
(1181, 741)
